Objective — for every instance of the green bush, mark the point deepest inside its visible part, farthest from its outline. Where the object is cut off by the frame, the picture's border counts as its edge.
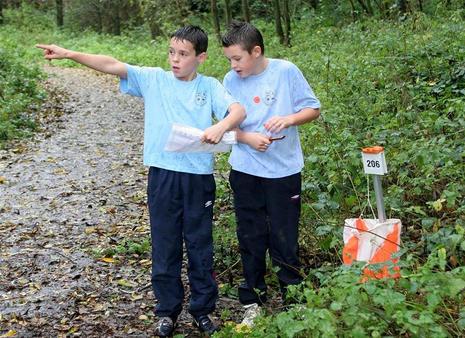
(29, 19)
(399, 85)
(424, 302)
(19, 90)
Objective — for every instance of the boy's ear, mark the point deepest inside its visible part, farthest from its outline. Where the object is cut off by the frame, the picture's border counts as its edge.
(257, 51)
(202, 57)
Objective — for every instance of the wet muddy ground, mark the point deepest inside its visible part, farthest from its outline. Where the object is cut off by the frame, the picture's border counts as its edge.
(73, 221)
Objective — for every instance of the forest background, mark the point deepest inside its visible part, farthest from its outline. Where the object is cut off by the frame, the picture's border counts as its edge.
(388, 72)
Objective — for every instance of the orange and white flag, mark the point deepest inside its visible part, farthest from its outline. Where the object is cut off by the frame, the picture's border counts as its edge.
(368, 240)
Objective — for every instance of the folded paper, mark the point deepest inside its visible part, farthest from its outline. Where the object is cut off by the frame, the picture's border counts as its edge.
(184, 138)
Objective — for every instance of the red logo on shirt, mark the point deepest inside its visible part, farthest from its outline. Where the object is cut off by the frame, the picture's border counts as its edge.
(256, 99)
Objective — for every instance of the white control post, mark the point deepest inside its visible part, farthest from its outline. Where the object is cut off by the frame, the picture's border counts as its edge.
(374, 164)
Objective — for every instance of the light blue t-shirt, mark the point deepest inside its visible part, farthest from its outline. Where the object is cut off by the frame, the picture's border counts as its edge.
(281, 89)
(168, 100)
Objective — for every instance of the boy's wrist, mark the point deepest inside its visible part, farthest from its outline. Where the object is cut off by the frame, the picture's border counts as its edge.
(224, 125)
(291, 120)
(241, 136)
(69, 54)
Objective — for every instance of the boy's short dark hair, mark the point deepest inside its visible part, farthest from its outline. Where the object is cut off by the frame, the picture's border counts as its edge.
(194, 35)
(244, 34)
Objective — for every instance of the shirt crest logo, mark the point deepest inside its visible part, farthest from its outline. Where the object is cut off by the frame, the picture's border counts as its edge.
(200, 98)
(269, 97)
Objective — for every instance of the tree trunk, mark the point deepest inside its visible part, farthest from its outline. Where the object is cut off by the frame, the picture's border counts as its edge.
(59, 7)
(155, 30)
(98, 11)
(116, 19)
(216, 19)
(1, 12)
(227, 12)
(277, 21)
(366, 6)
(287, 24)
(354, 12)
(381, 7)
(314, 4)
(246, 10)
(420, 5)
(370, 7)
(402, 4)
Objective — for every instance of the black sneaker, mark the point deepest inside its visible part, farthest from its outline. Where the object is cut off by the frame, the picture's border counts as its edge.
(205, 324)
(165, 327)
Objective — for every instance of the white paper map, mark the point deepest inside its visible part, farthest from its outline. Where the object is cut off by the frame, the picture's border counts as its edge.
(184, 138)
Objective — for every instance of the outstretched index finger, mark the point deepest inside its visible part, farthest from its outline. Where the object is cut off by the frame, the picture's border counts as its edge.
(43, 46)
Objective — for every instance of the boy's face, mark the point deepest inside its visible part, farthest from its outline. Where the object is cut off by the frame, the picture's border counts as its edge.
(183, 60)
(243, 62)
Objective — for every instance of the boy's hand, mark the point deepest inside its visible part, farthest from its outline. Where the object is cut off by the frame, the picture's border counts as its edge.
(101, 63)
(257, 141)
(53, 52)
(213, 134)
(277, 123)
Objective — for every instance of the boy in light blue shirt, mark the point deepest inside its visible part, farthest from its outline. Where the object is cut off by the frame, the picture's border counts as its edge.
(266, 164)
(181, 187)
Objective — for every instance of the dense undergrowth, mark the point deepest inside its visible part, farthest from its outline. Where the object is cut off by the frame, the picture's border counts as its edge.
(19, 94)
(399, 84)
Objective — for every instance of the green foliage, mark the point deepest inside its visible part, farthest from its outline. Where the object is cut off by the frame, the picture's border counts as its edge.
(396, 85)
(19, 95)
(165, 16)
(427, 303)
(103, 16)
(29, 18)
(226, 245)
(126, 248)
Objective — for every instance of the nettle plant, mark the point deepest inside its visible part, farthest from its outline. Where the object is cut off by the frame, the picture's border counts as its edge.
(19, 91)
(401, 86)
(425, 302)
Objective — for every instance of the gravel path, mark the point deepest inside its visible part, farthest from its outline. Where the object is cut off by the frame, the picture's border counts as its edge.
(74, 231)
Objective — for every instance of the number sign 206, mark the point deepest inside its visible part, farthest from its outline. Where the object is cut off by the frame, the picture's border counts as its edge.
(373, 164)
